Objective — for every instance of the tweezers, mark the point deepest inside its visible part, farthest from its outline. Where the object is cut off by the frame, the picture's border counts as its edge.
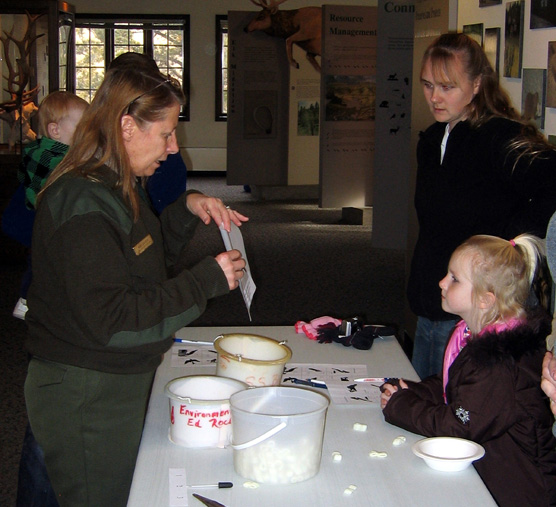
(207, 501)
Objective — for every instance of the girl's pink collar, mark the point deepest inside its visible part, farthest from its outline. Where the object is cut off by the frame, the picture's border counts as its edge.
(498, 327)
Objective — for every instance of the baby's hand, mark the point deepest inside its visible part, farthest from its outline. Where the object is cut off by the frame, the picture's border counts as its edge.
(389, 388)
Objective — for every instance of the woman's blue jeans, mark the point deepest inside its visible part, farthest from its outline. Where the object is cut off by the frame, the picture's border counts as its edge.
(33, 488)
(431, 337)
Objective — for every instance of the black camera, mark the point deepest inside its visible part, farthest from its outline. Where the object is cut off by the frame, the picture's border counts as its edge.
(351, 326)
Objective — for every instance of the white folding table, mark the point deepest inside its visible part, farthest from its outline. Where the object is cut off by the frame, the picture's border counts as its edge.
(400, 479)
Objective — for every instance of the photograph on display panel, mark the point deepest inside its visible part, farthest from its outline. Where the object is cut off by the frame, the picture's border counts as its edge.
(308, 118)
(492, 47)
(532, 96)
(486, 3)
(543, 14)
(513, 47)
(474, 31)
(350, 98)
(551, 75)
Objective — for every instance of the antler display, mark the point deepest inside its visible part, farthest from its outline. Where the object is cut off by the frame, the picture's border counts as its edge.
(18, 78)
(273, 7)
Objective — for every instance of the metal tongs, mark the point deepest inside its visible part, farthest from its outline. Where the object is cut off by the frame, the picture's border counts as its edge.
(207, 501)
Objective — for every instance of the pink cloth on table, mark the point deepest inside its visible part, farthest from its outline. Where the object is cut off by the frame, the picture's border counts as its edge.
(310, 329)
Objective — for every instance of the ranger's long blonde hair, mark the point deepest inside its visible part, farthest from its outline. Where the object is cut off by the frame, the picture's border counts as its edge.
(146, 96)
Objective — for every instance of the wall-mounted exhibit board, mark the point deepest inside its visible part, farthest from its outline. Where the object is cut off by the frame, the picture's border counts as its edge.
(348, 89)
(257, 137)
(537, 31)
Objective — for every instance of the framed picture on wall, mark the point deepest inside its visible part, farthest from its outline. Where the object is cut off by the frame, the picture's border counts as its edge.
(532, 96)
(551, 75)
(513, 44)
(486, 3)
(543, 14)
(492, 47)
(474, 31)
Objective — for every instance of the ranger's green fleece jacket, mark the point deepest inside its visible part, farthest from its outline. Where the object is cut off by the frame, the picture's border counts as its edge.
(101, 297)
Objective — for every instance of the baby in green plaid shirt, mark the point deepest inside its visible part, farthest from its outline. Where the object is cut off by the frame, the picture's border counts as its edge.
(59, 113)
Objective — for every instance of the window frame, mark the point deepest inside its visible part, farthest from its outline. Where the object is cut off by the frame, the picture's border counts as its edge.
(110, 21)
(220, 114)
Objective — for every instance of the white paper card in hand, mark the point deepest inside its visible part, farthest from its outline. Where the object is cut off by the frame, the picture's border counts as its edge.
(233, 240)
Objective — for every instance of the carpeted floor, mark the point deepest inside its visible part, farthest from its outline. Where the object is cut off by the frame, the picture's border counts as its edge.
(304, 261)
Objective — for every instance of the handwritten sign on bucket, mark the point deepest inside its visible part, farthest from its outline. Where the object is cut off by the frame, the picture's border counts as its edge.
(200, 410)
(202, 418)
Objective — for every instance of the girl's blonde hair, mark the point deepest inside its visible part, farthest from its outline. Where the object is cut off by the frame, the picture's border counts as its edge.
(147, 97)
(505, 268)
(56, 106)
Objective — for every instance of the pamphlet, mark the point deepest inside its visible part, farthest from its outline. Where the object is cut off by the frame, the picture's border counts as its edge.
(233, 240)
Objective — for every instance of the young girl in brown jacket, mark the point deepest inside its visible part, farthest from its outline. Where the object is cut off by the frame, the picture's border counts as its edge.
(489, 390)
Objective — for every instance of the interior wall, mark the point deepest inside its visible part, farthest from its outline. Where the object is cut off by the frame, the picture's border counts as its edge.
(535, 46)
(202, 140)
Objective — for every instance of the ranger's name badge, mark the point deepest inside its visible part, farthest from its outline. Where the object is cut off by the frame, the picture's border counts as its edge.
(145, 243)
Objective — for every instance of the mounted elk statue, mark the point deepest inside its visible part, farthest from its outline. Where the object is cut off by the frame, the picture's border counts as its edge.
(298, 26)
(18, 111)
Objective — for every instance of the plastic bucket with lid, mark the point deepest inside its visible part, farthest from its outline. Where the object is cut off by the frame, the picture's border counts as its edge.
(277, 433)
(200, 410)
(253, 359)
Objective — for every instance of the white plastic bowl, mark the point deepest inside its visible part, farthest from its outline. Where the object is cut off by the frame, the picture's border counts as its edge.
(448, 454)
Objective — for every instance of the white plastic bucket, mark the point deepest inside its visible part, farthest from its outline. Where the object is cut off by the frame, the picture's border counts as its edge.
(200, 410)
(277, 433)
(253, 359)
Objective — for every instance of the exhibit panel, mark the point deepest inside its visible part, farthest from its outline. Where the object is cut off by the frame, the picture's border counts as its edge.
(257, 151)
(348, 105)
